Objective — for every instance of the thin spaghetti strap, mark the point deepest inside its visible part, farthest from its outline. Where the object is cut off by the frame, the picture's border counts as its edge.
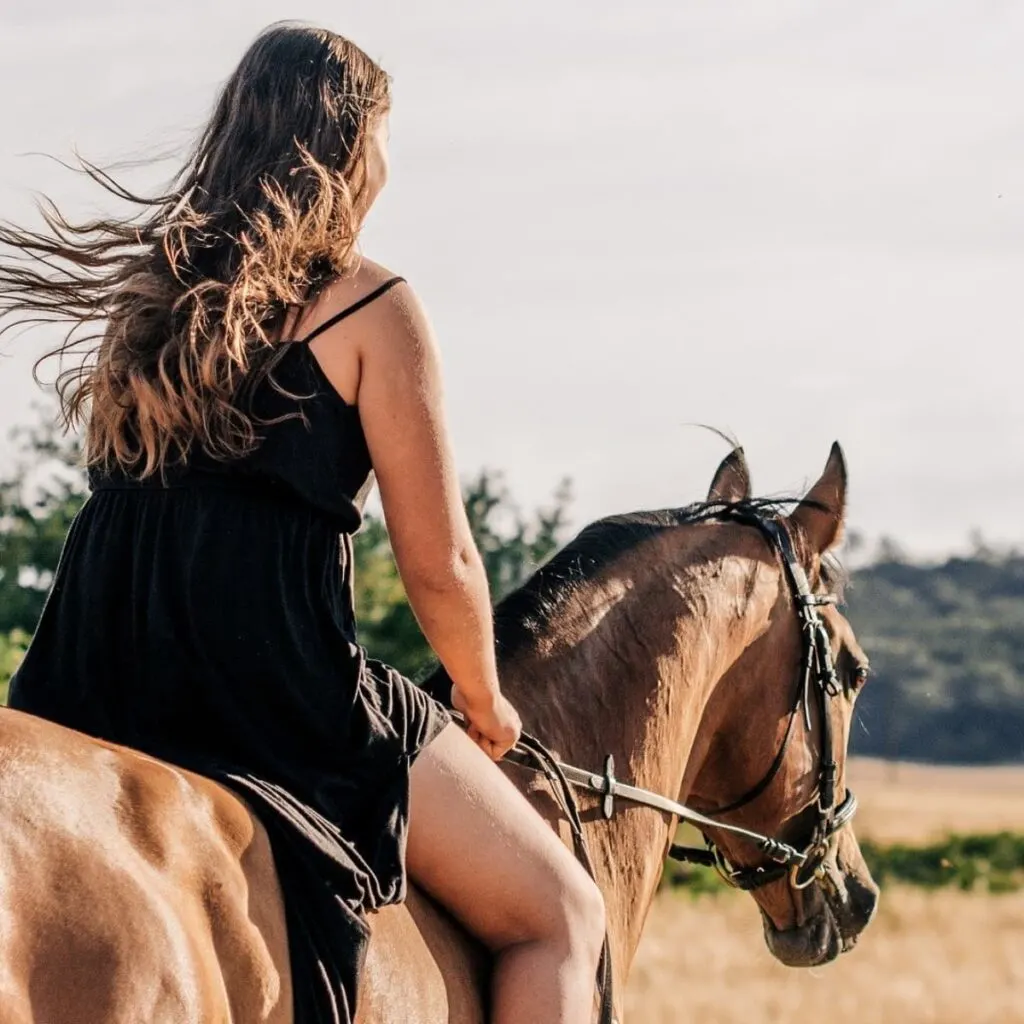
(349, 310)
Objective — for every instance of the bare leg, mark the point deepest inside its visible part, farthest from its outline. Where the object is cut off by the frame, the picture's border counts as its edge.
(478, 847)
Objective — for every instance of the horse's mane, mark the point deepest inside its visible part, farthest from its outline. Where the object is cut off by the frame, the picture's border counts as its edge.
(529, 611)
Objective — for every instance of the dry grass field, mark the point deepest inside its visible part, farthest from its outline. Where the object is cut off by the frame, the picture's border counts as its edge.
(928, 958)
(941, 958)
(914, 803)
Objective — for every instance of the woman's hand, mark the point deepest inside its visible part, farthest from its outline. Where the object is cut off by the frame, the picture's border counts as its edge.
(493, 726)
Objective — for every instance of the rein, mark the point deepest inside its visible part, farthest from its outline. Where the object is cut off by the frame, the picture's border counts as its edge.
(800, 866)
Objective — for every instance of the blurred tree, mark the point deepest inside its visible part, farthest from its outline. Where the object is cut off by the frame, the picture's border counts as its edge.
(12, 647)
(512, 548)
(39, 497)
(46, 486)
(946, 641)
(889, 551)
(387, 626)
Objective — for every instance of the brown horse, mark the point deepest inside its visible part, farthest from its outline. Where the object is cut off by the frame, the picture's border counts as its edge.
(134, 891)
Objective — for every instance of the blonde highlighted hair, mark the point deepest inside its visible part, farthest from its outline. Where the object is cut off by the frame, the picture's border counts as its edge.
(172, 313)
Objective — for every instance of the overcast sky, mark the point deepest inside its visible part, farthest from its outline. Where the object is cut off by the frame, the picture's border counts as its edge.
(797, 221)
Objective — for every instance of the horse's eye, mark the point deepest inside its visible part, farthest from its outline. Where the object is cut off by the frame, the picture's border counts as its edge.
(860, 676)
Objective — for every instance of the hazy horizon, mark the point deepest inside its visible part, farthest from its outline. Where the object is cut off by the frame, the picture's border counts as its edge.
(797, 225)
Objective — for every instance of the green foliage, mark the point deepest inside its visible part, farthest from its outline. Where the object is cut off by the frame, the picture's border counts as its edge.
(993, 863)
(693, 879)
(512, 548)
(12, 647)
(387, 626)
(38, 500)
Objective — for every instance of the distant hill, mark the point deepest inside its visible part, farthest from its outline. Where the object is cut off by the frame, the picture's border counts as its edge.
(946, 643)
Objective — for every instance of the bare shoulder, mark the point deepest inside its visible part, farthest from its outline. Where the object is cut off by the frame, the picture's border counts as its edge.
(398, 305)
(390, 332)
(396, 329)
(368, 275)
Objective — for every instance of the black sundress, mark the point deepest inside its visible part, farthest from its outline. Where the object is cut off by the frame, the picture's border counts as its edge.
(207, 619)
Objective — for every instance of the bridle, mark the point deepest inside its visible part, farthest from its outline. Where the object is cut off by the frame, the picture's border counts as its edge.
(818, 680)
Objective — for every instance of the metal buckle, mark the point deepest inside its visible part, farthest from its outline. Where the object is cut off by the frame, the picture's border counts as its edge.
(817, 854)
(606, 784)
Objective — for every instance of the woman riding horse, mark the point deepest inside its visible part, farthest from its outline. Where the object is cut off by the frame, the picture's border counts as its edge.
(247, 376)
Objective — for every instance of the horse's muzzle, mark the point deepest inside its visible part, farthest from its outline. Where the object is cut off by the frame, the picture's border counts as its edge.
(839, 909)
(813, 943)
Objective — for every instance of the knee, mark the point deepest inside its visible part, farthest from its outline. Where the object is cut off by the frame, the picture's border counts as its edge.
(563, 909)
(583, 915)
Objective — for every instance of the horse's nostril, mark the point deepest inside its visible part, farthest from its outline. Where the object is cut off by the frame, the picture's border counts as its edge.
(863, 899)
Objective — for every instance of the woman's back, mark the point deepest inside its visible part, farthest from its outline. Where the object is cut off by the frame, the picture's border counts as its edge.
(309, 442)
(224, 590)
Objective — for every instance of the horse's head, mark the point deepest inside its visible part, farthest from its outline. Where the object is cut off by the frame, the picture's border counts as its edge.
(772, 747)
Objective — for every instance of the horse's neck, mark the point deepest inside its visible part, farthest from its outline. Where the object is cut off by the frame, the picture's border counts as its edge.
(634, 687)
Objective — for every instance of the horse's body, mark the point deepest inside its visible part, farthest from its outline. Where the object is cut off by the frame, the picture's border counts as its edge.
(130, 890)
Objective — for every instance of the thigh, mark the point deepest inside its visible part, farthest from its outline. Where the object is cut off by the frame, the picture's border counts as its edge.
(479, 847)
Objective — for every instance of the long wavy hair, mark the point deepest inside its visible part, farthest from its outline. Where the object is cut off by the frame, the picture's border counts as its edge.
(173, 311)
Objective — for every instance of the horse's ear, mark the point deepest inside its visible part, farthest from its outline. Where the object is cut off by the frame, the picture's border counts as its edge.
(823, 511)
(732, 480)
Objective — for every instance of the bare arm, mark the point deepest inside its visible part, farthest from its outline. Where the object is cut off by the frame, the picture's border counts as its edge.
(400, 399)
